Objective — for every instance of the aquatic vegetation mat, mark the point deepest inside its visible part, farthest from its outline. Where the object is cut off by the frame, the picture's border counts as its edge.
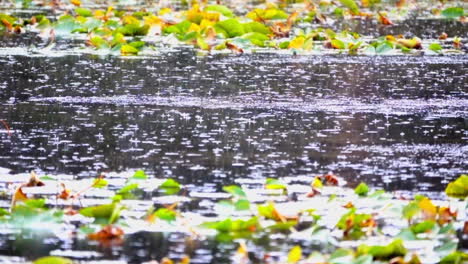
(298, 27)
(252, 222)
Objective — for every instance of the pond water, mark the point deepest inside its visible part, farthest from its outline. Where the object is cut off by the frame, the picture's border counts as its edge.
(396, 122)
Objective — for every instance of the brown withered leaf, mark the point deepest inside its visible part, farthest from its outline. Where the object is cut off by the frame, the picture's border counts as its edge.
(465, 228)
(281, 29)
(401, 3)
(234, 48)
(34, 180)
(18, 196)
(443, 36)
(348, 205)
(7, 127)
(7, 24)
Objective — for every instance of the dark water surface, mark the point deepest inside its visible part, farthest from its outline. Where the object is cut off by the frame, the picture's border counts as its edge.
(397, 122)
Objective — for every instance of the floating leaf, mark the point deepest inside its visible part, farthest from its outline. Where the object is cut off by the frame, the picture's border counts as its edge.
(84, 12)
(107, 234)
(234, 190)
(139, 174)
(256, 27)
(99, 183)
(362, 189)
(274, 184)
(18, 196)
(166, 214)
(456, 257)
(103, 213)
(295, 254)
(453, 12)
(256, 38)
(128, 50)
(410, 210)
(242, 205)
(423, 227)
(394, 249)
(351, 5)
(224, 10)
(170, 186)
(267, 14)
(383, 48)
(229, 225)
(458, 188)
(230, 28)
(436, 47)
(352, 224)
(53, 260)
(414, 43)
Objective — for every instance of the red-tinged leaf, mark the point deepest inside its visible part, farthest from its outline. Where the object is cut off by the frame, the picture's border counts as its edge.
(65, 194)
(383, 19)
(330, 179)
(108, 234)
